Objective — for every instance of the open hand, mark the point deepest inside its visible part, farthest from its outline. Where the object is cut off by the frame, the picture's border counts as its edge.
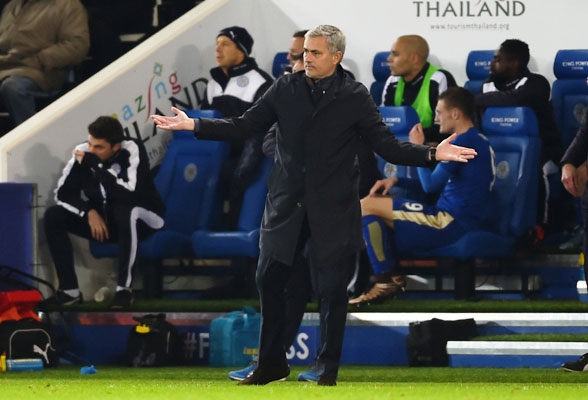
(449, 152)
(177, 123)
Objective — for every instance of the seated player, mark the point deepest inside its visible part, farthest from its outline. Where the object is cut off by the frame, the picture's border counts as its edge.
(105, 193)
(393, 225)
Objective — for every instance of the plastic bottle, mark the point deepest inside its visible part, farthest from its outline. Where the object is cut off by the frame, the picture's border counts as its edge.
(21, 364)
(103, 294)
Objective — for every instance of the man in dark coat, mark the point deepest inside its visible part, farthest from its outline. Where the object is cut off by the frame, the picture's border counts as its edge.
(573, 177)
(313, 193)
(574, 173)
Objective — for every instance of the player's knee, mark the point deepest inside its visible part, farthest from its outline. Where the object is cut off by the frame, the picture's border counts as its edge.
(53, 216)
(369, 206)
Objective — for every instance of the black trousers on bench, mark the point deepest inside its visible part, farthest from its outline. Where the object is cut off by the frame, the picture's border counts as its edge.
(126, 226)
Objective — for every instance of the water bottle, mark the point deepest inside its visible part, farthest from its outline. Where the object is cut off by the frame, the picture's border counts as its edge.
(103, 294)
(20, 364)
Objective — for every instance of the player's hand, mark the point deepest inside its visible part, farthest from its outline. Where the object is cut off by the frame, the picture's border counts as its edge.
(569, 178)
(383, 186)
(97, 226)
(449, 152)
(177, 123)
(79, 156)
(416, 134)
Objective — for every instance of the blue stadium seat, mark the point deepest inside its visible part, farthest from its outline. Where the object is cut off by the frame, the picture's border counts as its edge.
(400, 121)
(381, 72)
(513, 134)
(569, 94)
(478, 69)
(244, 242)
(187, 182)
(280, 64)
(17, 208)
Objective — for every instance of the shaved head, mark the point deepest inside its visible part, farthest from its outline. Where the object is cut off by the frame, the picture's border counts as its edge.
(415, 44)
(408, 56)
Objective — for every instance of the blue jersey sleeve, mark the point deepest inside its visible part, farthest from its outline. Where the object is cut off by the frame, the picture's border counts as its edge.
(434, 181)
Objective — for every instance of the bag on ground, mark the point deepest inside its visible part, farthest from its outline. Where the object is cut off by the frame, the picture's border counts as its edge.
(153, 342)
(426, 343)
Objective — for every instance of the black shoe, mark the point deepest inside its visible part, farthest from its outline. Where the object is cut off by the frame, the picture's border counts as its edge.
(327, 380)
(59, 299)
(264, 375)
(580, 365)
(122, 299)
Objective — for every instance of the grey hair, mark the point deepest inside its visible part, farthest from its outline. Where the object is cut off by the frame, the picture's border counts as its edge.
(335, 38)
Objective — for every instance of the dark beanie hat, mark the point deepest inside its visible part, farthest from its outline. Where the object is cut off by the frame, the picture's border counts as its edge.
(240, 36)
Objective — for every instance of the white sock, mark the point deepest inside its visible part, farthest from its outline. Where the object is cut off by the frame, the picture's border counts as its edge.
(121, 288)
(72, 292)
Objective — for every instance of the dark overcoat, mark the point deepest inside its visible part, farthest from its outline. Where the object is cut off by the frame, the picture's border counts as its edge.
(314, 173)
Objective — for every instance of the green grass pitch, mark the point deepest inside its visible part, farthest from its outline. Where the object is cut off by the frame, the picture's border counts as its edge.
(355, 382)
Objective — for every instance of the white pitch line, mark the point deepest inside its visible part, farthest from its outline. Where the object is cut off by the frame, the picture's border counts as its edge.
(516, 348)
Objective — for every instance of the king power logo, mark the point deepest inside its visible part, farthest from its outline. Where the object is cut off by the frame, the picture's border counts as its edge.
(472, 8)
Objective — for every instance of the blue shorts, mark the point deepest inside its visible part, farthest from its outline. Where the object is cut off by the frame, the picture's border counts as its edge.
(419, 226)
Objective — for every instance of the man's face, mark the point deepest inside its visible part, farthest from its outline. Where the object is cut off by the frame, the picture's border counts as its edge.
(501, 65)
(227, 53)
(318, 62)
(446, 118)
(101, 148)
(296, 50)
(400, 59)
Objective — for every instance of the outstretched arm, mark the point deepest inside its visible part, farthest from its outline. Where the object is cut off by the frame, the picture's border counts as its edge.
(254, 122)
(179, 122)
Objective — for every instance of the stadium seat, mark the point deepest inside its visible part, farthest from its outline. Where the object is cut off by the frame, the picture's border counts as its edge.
(400, 121)
(244, 242)
(381, 73)
(187, 182)
(17, 222)
(240, 246)
(478, 69)
(280, 64)
(570, 92)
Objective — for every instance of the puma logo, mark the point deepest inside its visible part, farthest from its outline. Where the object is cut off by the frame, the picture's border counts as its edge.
(37, 349)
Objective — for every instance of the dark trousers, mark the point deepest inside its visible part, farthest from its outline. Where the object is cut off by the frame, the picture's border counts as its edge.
(126, 226)
(281, 311)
